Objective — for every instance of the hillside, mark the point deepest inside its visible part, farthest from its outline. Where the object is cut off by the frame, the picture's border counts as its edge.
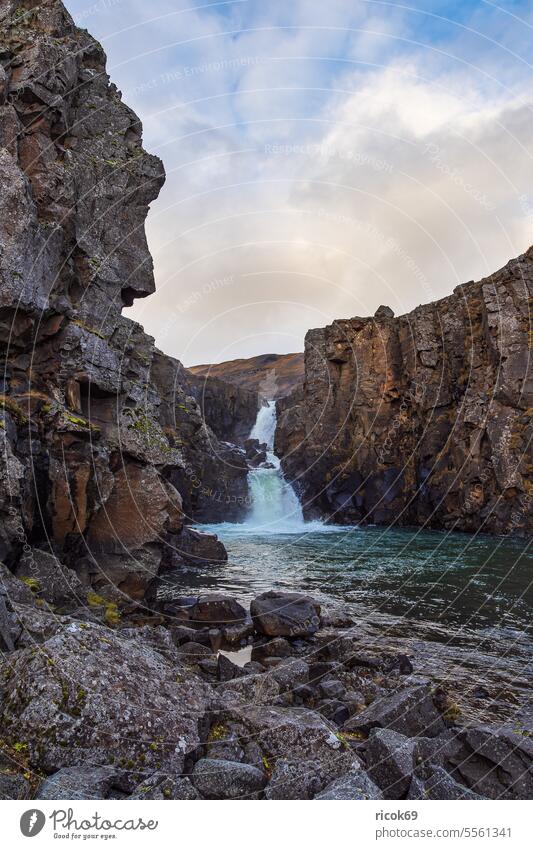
(272, 375)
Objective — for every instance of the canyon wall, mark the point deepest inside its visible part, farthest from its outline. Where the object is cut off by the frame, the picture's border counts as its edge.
(423, 419)
(105, 455)
(230, 410)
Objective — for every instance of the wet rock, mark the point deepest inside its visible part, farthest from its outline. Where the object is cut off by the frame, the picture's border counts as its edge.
(334, 710)
(78, 782)
(276, 647)
(255, 452)
(251, 689)
(199, 548)
(354, 785)
(278, 614)
(410, 711)
(331, 689)
(389, 761)
(227, 670)
(220, 779)
(290, 673)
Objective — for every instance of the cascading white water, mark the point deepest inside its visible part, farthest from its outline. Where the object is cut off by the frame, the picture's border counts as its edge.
(274, 507)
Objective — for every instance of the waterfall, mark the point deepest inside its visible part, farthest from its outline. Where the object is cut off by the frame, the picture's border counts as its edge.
(274, 507)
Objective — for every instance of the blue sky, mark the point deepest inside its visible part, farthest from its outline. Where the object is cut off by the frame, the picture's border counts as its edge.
(322, 158)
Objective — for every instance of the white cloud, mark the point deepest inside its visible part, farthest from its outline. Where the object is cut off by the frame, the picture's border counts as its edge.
(328, 158)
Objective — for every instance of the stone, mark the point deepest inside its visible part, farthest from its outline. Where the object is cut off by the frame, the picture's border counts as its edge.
(13, 786)
(78, 782)
(389, 761)
(384, 312)
(52, 580)
(334, 710)
(218, 609)
(162, 786)
(78, 700)
(354, 785)
(192, 652)
(278, 614)
(410, 711)
(220, 779)
(199, 548)
(292, 734)
(439, 784)
(298, 779)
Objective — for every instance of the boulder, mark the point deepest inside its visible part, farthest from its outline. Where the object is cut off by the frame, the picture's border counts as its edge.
(439, 784)
(220, 779)
(278, 614)
(217, 609)
(13, 786)
(292, 734)
(78, 782)
(295, 779)
(389, 761)
(91, 696)
(277, 647)
(410, 711)
(162, 786)
(227, 670)
(354, 785)
(198, 548)
(251, 689)
(497, 763)
(290, 674)
(52, 580)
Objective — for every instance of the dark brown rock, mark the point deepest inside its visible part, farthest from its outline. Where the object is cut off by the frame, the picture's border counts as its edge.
(278, 614)
(421, 419)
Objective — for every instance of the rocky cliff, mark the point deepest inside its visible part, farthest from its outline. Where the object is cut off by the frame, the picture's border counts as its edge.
(423, 419)
(105, 453)
(230, 410)
(272, 376)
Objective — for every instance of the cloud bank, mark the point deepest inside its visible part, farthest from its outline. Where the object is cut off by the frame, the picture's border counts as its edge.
(322, 159)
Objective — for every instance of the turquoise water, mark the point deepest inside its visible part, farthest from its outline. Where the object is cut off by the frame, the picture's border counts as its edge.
(455, 580)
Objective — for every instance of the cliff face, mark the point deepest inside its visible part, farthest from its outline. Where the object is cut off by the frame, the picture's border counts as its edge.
(272, 376)
(423, 419)
(97, 427)
(228, 409)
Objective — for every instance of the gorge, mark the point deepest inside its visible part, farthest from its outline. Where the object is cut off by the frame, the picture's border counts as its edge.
(155, 522)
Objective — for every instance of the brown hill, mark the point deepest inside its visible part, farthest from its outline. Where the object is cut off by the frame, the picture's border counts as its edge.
(271, 375)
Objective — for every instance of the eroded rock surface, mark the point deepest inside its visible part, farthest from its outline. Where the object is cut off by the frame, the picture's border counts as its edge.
(105, 455)
(421, 419)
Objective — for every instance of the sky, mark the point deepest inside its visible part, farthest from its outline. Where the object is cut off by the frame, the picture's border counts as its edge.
(322, 158)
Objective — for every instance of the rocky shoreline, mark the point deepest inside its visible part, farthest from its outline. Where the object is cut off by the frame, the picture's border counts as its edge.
(205, 699)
